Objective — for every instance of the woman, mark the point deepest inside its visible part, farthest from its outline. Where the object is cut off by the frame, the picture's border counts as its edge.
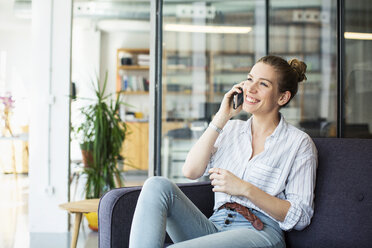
(263, 172)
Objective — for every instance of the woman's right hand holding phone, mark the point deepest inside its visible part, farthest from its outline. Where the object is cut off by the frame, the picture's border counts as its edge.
(226, 110)
(198, 157)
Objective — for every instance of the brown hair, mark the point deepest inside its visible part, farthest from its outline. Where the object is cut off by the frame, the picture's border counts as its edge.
(290, 73)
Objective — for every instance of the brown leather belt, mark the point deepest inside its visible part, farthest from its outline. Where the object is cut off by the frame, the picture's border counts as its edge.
(251, 217)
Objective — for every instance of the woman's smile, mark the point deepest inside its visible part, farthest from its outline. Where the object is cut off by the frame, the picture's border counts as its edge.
(251, 100)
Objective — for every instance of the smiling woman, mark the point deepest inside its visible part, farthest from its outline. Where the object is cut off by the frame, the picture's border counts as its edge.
(262, 170)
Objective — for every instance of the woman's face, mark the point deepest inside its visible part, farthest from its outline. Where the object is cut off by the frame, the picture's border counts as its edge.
(261, 90)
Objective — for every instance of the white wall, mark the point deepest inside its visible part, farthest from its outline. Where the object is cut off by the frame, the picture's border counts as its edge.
(85, 64)
(49, 158)
(17, 47)
(85, 58)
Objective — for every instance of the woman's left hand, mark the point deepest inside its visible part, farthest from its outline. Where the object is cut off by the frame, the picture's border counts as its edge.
(226, 182)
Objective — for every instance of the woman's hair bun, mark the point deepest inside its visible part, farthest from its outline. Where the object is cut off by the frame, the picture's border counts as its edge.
(299, 67)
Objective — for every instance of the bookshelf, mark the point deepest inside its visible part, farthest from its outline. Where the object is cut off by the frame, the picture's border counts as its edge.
(132, 71)
(132, 84)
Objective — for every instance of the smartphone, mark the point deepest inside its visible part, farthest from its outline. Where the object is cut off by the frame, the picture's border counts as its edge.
(238, 99)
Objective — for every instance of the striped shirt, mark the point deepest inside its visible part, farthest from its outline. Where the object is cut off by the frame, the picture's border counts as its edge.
(285, 169)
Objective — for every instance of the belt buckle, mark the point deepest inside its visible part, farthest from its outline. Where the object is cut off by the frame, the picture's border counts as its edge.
(230, 208)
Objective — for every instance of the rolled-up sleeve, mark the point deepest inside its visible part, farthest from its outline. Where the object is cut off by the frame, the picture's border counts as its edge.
(299, 189)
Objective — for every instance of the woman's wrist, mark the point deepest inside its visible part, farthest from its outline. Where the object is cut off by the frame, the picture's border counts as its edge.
(247, 190)
(215, 128)
(219, 121)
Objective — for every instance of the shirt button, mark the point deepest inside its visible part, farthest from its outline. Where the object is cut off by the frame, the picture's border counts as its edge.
(227, 222)
(229, 215)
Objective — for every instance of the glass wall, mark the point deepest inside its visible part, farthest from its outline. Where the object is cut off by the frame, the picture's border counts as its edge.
(306, 30)
(358, 69)
(111, 38)
(207, 47)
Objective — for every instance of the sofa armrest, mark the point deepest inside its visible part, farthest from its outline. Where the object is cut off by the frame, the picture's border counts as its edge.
(116, 209)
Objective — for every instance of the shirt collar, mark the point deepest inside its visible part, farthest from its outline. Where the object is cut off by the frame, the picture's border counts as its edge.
(282, 126)
(247, 126)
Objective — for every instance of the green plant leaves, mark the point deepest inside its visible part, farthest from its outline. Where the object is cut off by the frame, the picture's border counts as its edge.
(104, 134)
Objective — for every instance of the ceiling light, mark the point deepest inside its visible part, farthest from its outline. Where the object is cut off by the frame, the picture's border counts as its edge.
(206, 29)
(358, 36)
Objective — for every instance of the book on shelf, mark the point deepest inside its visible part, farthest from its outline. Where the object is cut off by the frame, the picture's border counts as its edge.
(134, 83)
(143, 59)
(144, 63)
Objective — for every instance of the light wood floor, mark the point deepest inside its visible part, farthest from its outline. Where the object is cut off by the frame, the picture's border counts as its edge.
(14, 211)
(14, 230)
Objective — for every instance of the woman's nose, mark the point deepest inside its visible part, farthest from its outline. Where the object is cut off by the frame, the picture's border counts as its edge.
(250, 86)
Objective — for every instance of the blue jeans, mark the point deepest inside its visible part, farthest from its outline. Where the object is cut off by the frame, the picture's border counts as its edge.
(163, 207)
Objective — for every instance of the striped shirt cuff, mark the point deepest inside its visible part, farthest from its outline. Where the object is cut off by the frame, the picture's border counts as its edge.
(295, 218)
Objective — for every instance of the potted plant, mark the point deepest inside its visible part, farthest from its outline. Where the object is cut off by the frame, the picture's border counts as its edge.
(102, 134)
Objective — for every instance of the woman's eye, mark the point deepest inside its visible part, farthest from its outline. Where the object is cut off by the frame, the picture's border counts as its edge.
(249, 79)
(264, 84)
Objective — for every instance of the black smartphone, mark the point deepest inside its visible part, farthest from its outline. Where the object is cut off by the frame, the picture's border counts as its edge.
(238, 99)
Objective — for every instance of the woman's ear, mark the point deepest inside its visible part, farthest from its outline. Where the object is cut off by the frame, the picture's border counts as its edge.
(284, 98)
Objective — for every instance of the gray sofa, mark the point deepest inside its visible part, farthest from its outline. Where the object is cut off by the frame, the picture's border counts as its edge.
(343, 201)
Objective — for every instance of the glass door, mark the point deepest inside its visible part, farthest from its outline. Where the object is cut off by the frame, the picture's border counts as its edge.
(207, 47)
(306, 30)
(358, 69)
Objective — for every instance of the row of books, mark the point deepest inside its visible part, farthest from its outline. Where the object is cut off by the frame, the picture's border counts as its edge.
(134, 83)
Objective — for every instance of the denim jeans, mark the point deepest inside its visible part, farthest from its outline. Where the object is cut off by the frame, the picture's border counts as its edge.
(163, 207)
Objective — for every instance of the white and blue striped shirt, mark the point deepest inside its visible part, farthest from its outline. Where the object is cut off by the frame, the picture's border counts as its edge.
(285, 169)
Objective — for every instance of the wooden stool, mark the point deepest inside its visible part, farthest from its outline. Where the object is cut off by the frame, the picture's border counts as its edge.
(78, 208)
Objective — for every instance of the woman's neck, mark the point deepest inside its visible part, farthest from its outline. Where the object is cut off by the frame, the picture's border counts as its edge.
(265, 125)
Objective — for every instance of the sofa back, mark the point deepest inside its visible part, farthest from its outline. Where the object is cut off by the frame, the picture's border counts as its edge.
(343, 201)
(343, 197)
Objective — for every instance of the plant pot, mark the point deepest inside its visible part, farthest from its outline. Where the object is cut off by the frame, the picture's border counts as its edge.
(87, 158)
(92, 219)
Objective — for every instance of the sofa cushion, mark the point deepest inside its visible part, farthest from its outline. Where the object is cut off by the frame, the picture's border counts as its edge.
(343, 196)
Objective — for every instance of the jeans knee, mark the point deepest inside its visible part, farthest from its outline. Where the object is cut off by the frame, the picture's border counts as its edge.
(158, 184)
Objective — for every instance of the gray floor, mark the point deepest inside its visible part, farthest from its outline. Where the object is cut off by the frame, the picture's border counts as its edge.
(14, 212)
